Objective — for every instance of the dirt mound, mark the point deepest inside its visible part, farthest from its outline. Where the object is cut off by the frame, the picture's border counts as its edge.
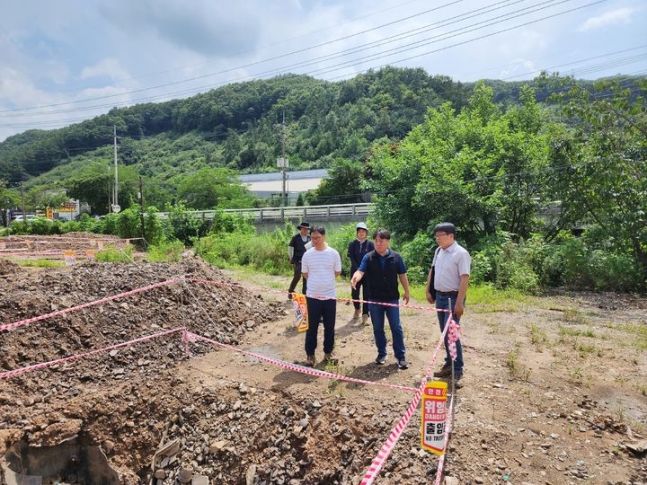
(223, 312)
(73, 241)
(8, 267)
(152, 423)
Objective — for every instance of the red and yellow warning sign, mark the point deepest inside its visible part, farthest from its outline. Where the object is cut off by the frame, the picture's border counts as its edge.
(433, 417)
(300, 312)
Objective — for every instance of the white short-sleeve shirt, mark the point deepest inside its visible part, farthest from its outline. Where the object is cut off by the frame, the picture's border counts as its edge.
(450, 264)
(321, 267)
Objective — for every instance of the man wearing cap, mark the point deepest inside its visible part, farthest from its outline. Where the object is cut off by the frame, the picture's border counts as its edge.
(450, 269)
(296, 250)
(357, 249)
(383, 269)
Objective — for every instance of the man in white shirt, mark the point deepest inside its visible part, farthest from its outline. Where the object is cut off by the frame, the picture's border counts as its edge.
(320, 266)
(447, 284)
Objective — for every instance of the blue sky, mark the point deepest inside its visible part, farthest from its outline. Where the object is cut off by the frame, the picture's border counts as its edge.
(65, 61)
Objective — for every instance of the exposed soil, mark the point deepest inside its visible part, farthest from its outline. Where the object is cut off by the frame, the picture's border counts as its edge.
(80, 244)
(554, 390)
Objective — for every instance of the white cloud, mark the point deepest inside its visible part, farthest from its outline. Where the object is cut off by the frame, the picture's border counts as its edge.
(618, 16)
(108, 67)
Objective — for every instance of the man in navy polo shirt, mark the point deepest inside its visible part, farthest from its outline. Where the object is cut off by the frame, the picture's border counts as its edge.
(382, 268)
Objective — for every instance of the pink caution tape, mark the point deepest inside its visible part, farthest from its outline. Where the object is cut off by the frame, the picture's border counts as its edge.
(452, 337)
(12, 326)
(448, 430)
(192, 337)
(369, 302)
(378, 462)
(43, 365)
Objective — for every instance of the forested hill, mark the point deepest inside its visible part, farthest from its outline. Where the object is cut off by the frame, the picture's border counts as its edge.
(238, 126)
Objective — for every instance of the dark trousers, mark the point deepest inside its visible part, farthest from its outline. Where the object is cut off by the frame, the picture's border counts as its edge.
(296, 277)
(317, 309)
(442, 303)
(355, 296)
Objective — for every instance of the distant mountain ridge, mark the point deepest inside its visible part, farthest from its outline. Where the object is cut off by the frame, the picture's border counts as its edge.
(238, 126)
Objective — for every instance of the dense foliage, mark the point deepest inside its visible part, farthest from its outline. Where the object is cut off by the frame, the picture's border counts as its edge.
(518, 180)
(547, 181)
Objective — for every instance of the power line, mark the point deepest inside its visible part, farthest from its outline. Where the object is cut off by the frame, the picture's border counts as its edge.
(460, 43)
(346, 64)
(280, 56)
(442, 23)
(281, 42)
(468, 41)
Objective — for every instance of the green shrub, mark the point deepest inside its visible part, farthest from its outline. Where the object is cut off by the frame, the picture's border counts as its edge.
(514, 268)
(112, 254)
(153, 227)
(166, 252)
(339, 239)
(184, 225)
(418, 255)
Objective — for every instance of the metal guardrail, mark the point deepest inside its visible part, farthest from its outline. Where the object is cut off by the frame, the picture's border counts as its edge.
(276, 214)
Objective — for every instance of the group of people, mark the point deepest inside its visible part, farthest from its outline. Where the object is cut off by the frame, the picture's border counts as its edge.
(379, 272)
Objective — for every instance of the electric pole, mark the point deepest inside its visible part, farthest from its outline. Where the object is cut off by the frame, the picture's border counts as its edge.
(285, 162)
(115, 205)
(22, 197)
(141, 207)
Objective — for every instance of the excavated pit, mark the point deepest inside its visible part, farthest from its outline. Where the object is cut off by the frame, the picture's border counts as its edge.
(74, 461)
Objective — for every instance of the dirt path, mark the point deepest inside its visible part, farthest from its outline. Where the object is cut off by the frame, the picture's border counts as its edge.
(553, 391)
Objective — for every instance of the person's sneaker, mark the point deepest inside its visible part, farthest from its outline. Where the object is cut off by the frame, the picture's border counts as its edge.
(380, 360)
(402, 364)
(310, 361)
(289, 295)
(445, 371)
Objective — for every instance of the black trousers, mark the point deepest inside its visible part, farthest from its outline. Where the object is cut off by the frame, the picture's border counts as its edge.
(296, 277)
(355, 296)
(316, 310)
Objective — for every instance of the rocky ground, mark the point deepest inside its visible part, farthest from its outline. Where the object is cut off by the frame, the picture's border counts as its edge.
(554, 388)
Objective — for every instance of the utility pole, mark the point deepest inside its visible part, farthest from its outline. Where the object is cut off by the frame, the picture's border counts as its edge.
(141, 207)
(22, 198)
(115, 205)
(284, 197)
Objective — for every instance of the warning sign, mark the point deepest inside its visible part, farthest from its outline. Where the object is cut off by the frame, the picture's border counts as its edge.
(433, 417)
(300, 312)
(69, 257)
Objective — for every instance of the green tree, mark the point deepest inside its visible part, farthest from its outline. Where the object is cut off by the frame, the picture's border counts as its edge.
(599, 170)
(343, 185)
(94, 182)
(481, 169)
(209, 188)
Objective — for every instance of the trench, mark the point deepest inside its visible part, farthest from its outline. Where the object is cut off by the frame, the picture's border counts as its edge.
(74, 461)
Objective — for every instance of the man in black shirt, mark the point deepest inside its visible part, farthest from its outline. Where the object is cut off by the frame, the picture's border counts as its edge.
(357, 249)
(383, 269)
(296, 250)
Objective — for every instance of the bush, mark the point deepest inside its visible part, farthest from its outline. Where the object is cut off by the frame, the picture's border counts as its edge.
(184, 225)
(418, 255)
(266, 252)
(339, 239)
(514, 268)
(129, 223)
(112, 254)
(166, 252)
